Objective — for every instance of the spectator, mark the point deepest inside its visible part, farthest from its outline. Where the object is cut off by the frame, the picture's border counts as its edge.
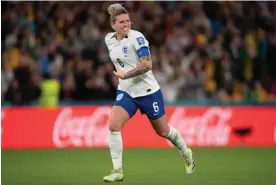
(50, 89)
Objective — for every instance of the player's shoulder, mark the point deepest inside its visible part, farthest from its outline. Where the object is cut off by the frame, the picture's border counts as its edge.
(135, 34)
(138, 39)
(109, 37)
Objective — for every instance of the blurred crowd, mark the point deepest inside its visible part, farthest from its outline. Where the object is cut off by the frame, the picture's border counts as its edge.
(201, 50)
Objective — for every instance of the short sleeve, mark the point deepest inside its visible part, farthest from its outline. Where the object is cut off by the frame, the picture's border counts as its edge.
(105, 43)
(107, 39)
(139, 41)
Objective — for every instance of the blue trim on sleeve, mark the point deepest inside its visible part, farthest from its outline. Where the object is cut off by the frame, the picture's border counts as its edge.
(143, 52)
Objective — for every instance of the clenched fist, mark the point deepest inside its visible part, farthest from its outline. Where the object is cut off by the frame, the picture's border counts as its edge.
(120, 74)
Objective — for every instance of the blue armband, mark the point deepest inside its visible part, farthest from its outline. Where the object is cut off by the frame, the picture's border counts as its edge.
(143, 52)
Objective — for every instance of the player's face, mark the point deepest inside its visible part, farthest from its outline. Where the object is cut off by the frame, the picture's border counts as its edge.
(122, 24)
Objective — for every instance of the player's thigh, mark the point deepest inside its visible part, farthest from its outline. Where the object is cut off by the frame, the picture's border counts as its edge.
(118, 118)
(124, 108)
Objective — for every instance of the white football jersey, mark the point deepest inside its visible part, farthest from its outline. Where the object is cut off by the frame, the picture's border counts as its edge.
(123, 54)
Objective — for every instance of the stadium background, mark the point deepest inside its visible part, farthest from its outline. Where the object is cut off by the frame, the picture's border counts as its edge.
(210, 58)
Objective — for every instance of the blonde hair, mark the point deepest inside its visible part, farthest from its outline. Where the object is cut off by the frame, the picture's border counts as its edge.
(114, 10)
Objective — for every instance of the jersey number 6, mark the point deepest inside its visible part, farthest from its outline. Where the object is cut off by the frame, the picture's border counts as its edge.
(155, 107)
(120, 62)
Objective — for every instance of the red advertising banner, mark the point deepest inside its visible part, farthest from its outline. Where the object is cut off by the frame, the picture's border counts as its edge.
(87, 127)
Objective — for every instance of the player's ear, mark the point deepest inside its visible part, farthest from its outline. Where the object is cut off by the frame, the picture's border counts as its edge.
(112, 25)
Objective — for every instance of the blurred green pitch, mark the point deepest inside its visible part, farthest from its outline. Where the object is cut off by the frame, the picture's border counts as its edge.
(215, 166)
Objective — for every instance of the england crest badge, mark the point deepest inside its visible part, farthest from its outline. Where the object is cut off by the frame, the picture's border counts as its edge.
(125, 50)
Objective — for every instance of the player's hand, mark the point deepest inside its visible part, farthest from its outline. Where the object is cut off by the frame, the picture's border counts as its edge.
(119, 74)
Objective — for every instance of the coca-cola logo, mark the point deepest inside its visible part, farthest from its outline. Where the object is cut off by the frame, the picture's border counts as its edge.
(81, 131)
(209, 129)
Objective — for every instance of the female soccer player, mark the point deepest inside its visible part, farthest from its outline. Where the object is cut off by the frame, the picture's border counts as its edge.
(137, 89)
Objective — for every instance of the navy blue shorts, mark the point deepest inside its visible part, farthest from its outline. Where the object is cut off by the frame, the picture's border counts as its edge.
(152, 105)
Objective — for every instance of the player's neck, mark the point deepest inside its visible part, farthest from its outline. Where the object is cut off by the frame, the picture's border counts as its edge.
(120, 37)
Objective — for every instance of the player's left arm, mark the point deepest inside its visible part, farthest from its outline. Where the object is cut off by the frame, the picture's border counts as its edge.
(141, 45)
(144, 66)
